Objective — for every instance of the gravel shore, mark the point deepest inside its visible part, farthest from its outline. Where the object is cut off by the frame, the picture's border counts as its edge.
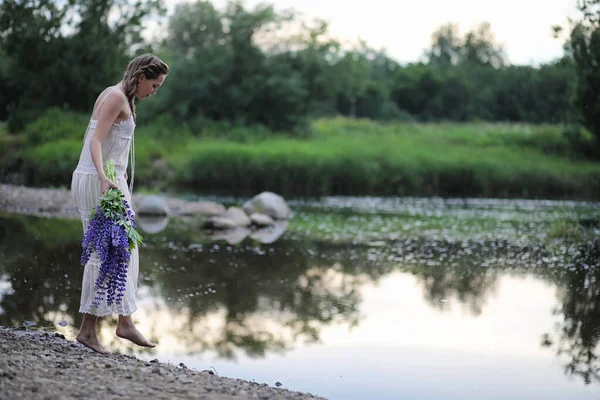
(39, 365)
(48, 202)
(37, 201)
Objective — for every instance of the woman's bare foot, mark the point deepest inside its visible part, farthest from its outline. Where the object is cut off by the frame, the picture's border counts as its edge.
(126, 330)
(87, 334)
(91, 341)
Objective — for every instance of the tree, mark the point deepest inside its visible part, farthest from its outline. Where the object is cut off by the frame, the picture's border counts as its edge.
(63, 52)
(224, 74)
(585, 47)
(445, 46)
(480, 48)
(352, 72)
(477, 47)
(316, 54)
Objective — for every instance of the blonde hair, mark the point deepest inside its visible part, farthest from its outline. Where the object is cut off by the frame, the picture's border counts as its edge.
(148, 64)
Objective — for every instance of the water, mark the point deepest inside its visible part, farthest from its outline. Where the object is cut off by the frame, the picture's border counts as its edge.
(355, 298)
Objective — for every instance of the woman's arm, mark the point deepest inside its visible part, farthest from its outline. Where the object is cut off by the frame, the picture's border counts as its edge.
(108, 115)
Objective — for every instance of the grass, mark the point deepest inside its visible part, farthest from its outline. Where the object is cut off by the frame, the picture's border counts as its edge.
(360, 157)
(341, 157)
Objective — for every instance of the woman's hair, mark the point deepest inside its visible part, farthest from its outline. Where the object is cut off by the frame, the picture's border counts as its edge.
(148, 64)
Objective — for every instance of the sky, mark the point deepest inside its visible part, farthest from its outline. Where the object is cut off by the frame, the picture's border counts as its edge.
(404, 27)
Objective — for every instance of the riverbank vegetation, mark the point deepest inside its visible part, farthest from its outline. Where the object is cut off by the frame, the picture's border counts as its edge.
(340, 157)
(261, 99)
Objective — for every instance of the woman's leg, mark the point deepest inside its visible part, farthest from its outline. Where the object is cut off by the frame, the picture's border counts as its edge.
(85, 192)
(125, 326)
(87, 334)
(127, 330)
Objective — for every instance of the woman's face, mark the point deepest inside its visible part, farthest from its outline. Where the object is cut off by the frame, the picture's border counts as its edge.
(148, 87)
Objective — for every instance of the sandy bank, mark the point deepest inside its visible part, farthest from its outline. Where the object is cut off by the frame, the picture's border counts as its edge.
(37, 365)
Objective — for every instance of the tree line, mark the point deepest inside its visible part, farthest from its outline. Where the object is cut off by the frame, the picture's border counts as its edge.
(260, 66)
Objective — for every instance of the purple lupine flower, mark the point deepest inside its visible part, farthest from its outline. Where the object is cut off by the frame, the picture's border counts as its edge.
(107, 237)
(130, 214)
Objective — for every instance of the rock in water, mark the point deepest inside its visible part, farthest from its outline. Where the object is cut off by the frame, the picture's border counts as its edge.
(152, 205)
(270, 204)
(261, 219)
(202, 208)
(237, 215)
(218, 223)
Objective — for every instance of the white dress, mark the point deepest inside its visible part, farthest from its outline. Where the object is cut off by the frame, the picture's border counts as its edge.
(86, 192)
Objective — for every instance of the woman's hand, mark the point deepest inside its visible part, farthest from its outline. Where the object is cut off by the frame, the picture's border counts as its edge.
(106, 184)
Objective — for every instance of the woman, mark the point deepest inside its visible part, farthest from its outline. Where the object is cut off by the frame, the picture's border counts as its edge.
(110, 134)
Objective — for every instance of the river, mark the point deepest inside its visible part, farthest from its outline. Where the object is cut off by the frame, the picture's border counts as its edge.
(354, 298)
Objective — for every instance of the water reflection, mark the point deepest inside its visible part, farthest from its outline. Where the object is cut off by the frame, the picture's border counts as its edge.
(269, 234)
(40, 258)
(195, 278)
(576, 338)
(152, 224)
(277, 284)
(262, 297)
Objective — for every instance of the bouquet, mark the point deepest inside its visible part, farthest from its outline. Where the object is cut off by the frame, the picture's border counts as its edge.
(112, 235)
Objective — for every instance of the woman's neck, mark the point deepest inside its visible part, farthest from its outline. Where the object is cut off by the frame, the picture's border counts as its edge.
(120, 87)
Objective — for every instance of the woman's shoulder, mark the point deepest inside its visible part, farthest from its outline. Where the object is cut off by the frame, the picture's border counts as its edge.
(111, 91)
(110, 95)
(111, 98)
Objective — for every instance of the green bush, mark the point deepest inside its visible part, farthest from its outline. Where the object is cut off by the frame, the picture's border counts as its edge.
(55, 124)
(19, 118)
(581, 142)
(52, 163)
(163, 128)
(10, 156)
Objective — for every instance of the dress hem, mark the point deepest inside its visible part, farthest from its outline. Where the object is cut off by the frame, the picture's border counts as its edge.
(104, 312)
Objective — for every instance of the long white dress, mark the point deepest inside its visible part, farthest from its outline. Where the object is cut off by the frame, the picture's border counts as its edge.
(86, 193)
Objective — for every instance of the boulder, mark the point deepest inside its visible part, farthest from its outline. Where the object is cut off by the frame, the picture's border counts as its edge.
(201, 208)
(270, 204)
(218, 222)
(261, 220)
(152, 205)
(237, 215)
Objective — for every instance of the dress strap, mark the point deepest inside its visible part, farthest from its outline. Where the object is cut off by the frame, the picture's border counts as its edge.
(106, 95)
